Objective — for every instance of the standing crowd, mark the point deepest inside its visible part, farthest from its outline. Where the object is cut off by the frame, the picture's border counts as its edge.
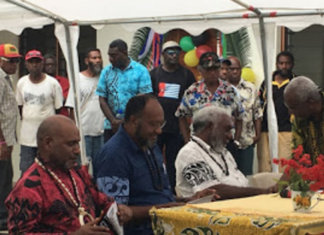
(157, 138)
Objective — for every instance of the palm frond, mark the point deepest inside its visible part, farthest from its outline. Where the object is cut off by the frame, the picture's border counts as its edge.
(138, 42)
(239, 45)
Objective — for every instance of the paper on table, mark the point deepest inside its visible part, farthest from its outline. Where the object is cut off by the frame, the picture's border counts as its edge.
(202, 200)
(110, 220)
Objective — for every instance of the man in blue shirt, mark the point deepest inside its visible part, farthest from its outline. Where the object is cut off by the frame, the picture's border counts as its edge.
(130, 165)
(118, 82)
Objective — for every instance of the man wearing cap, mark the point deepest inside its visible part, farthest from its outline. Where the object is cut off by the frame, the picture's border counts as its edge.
(169, 81)
(210, 91)
(9, 59)
(118, 82)
(38, 96)
(224, 71)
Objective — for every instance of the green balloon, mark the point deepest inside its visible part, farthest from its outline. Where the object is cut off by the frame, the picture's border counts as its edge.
(186, 43)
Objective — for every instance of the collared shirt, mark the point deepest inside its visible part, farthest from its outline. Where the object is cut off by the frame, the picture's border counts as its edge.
(252, 107)
(39, 205)
(8, 109)
(197, 168)
(122, 172)
(119, 86)
(310, 134)
(198, 96)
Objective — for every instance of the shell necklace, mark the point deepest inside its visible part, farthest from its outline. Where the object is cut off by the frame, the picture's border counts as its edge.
(82, 212)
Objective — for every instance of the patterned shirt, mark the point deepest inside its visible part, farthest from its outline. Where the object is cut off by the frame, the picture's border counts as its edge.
(198, 96)
(199, 167)
(119, 86)
(310, 134)
(251, 104)
(39, 205)
(8, 109)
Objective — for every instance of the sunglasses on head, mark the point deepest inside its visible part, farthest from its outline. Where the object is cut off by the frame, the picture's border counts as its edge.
(171, 52)
(12, 60)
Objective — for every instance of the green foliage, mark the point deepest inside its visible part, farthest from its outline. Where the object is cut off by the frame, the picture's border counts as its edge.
(239, 45)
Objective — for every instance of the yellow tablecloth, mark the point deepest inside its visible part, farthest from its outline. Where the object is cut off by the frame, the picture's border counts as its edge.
(264, 215)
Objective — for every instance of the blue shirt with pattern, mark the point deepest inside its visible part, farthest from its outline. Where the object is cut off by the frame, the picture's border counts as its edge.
(122, 172)
(118, 86)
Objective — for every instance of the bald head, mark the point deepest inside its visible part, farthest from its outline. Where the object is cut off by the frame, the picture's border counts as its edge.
(52, 126)
(234, 70)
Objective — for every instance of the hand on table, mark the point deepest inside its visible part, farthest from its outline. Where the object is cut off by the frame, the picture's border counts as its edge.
(125, 214)
(203, 193)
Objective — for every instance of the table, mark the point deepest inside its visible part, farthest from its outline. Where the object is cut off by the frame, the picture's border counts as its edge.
(264, 215)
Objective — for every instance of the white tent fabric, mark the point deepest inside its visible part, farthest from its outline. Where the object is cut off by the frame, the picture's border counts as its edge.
(190, 15)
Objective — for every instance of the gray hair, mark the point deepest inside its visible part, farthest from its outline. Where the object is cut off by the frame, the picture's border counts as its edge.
(206, 115)
(304, 89)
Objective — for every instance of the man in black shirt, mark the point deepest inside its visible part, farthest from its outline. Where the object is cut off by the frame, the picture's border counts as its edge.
(169, 81)
(280, 79)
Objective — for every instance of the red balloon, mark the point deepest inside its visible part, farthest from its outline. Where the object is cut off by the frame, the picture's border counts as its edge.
(202, 49)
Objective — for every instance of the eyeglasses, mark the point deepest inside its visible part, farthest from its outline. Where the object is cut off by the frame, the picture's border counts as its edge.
(156, 125)
(12, 60)
(171, 52)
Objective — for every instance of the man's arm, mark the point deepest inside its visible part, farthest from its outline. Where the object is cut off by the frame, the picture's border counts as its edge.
(184, 129)
(109, 115)
(257, 126)
(238, 129)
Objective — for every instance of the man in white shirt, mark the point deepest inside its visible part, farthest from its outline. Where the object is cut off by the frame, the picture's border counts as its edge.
(38, 96)
(205, 163)
(92, 118)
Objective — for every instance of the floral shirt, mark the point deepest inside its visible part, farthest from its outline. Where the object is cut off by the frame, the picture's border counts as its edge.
(309, 134)
(198, 96)
(252, 107)
(39, 205)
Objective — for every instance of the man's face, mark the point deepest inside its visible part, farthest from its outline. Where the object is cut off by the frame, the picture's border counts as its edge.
(221, 134)
(34, 66)
(50, 66)
(117, 58)
(284, 66)
(64, 149)
(9, 65)
(235, 71)
(210, 74)
(171, 56)
(298, 109)
(149, 124)
(94, 61)
(224, 71)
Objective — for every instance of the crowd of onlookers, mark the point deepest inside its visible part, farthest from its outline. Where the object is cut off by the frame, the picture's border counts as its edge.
(134, 122)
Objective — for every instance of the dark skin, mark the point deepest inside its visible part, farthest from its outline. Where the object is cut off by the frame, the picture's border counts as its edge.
(118, 59)
(58, 143)
(284, 66)
(9, 68)
(224, 71)
(171, 60)
(235, 71)
(144, 131)
(228, 191)
(50, 66)
(35, 68)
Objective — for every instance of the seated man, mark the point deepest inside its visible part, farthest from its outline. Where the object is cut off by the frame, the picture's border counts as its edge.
(130, 165)
(205, 163)
(54, 197)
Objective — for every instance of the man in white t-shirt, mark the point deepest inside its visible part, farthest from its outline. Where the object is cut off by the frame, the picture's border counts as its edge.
(92, 118)
(38, 96)
(204, 162)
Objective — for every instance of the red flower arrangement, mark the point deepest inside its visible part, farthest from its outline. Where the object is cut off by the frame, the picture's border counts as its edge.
(305, 173)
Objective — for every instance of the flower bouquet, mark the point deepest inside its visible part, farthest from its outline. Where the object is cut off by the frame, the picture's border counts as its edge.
(306, 177)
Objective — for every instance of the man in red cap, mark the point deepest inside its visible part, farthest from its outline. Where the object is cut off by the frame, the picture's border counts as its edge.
(38, 96)
(9, 59)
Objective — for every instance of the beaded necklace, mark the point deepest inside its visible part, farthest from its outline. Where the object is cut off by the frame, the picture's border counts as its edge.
(226, 172)
(82, 212)
(158, 183)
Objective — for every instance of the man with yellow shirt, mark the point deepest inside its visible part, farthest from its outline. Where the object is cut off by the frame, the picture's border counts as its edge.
(281, 77)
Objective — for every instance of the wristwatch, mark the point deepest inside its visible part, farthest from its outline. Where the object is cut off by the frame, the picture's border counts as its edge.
(237, 143)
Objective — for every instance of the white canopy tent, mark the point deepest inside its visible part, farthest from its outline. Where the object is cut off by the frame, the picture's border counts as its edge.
(193, 16)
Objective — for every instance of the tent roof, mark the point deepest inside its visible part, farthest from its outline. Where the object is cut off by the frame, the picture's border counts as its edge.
(191, 15)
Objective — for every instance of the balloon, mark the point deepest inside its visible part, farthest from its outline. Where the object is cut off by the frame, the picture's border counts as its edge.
(202, 49)
(248, 75)
(186, 43)
(191, 59)
(201, 39)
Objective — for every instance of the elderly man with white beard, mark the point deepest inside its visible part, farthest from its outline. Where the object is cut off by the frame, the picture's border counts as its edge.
(204, 162)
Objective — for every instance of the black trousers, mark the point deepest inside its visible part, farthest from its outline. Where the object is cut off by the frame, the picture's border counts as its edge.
(6, 176)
